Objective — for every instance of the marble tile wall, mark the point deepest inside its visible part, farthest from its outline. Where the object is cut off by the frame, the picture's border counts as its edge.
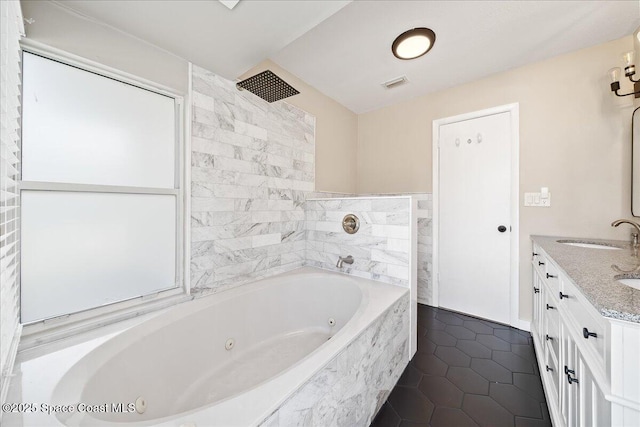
(252, 168)
(425, 249)
(252, 164)
(381, 247)
(351, 388)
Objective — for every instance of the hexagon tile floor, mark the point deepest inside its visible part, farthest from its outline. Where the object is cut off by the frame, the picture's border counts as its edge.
(467, 372)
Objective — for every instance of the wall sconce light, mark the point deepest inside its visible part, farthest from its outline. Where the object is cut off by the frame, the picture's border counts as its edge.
(629, 71)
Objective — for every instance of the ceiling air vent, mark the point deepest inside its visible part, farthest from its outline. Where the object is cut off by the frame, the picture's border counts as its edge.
(395, 82)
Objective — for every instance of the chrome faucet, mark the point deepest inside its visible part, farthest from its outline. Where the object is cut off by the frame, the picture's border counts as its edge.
(634, 236)
(348, 259)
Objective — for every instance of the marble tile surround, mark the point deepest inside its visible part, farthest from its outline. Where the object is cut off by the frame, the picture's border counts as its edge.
(252, 168)
(381, 247)
(252, 164)
(352, 387)
(425, 249)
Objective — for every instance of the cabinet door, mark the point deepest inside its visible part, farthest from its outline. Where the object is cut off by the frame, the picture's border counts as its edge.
(569, 389)
(537, 290)
(594, 409)
(582, 403)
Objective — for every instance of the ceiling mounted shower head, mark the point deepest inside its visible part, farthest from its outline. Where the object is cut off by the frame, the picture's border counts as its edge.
(268, 86)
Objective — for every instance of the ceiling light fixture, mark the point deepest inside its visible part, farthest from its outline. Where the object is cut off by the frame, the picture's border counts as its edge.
(629, 71)
(413, 43)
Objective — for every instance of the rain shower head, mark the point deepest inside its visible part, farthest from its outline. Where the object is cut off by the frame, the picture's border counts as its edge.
(267, 86)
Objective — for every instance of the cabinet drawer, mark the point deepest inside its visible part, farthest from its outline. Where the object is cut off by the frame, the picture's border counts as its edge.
(579, 312)
(551, 276)
(552, 333)
(539, 261)
(551, 372)
(550, 307)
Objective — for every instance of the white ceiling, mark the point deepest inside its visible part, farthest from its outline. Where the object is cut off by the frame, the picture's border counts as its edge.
(207, 33)
(343, 48)
(348, 56)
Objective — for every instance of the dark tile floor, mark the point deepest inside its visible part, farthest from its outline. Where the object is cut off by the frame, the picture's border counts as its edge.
(467, 372)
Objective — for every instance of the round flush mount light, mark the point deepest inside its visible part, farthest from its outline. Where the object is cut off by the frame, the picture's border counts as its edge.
(413, 43)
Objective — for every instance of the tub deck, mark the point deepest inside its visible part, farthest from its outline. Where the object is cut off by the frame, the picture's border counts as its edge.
(245, 391)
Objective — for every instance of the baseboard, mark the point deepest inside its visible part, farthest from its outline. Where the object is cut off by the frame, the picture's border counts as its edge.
(523, 325)
(8, 369)
(424, 301)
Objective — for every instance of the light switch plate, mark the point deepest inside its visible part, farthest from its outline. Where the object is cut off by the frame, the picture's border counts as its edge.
(536, 200)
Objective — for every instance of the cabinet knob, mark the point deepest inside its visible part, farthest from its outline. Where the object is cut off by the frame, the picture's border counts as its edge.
(586, 334)
(568, 371)
(572, 380)
(548, 338)
(550, 307)
(540, 263)
(535, 254)
(551, 276)
(549, 369)
(502, 228)
(563, 295)
(536, 290)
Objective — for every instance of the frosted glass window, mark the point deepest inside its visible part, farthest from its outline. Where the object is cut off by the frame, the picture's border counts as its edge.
(83, 128)
(83, 250)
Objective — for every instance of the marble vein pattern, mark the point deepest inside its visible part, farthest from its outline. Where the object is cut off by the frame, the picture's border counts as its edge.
(352, 387)
(595, 272)
(252, 164)
(425, 249)
(380, 248)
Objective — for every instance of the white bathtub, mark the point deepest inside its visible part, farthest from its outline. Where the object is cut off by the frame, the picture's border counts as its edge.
(285, 329)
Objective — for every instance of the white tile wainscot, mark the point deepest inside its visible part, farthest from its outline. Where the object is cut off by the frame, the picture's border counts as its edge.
(252, 165)
(384, 248)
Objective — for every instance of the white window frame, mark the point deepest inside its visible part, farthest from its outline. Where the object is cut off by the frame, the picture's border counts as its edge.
(58, 327)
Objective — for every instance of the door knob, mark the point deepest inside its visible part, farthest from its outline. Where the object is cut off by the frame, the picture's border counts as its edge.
(502, 229)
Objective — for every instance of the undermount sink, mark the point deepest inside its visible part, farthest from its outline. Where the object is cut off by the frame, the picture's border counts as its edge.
(590, 245)
(634, 283)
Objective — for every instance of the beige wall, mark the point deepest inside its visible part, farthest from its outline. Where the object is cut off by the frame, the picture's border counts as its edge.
(60, 28)
(574, 138)
(336, 132)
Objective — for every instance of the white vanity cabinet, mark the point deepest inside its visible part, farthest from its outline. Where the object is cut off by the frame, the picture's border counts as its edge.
(582, 402)
(589, 364)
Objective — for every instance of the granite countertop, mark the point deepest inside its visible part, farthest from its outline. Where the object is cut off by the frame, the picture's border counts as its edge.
(594, 272)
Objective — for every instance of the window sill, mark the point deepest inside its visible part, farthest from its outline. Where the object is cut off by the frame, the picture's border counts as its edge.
(59, 328)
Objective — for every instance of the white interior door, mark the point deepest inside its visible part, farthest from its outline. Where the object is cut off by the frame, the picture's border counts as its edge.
(474, 230)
